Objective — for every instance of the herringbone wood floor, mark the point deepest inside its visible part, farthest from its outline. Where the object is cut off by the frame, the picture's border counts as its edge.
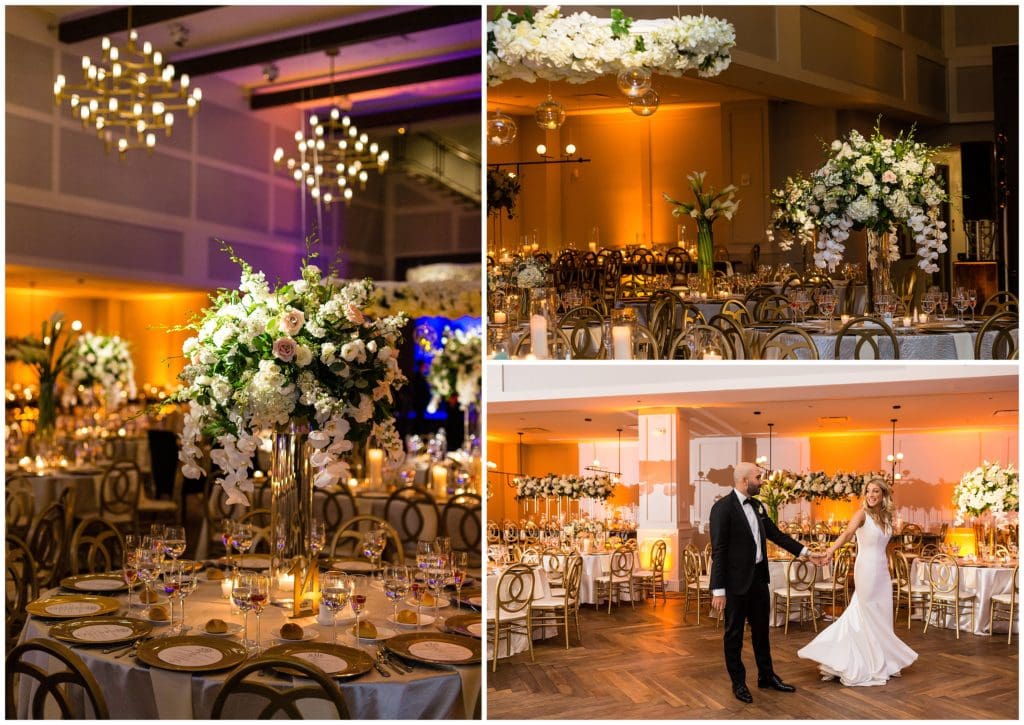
(649, 663)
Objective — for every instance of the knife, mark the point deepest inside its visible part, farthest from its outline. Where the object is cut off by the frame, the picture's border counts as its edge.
(380, 668)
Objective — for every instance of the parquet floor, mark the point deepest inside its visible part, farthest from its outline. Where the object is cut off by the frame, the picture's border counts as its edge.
(649, 663)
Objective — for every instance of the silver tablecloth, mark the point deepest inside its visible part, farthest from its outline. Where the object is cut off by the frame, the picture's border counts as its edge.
(913, 346)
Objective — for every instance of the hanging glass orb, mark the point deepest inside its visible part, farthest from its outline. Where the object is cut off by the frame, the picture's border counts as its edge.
(646, 104)
(501, 129)
(549, 115)
(634, 82)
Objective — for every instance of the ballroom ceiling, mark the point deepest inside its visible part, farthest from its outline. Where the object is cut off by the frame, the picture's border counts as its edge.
(395, 63)
(957, 403)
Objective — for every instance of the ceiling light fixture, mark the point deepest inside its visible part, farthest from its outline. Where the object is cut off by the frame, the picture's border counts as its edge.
(896, 457)
(596, 467)
(549, 114)
(335, 157)
(128, 95)
(501, 129)
(762, 460)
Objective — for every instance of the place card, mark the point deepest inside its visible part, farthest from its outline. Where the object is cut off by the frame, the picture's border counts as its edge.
(73, 609)
(103, 633)
(99, 585)
(190, 656)
(440, 651)
(331, 664)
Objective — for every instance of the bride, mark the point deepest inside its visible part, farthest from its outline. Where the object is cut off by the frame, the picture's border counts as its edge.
(860, 648)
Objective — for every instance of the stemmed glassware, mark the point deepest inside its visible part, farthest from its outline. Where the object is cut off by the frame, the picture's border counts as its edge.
(943, 302)
(317, 538)
(437, 572)
(227, 535)
(928, 302)
(460, 562)
(171, 576)
(396, 587)
(972, 300)
(187, 583)
(240, 593)
(827, 304)
(259, 598)
(358, 600)
(334, 594)
(129, 568)
(418, 585)
(374, 542)
(174, 541)
(148, 562)
(960, 302)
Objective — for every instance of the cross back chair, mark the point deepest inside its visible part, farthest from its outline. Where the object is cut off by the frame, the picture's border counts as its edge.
(557, 609)
(47, 540)
(1000, 302)
(787, 343)
(904, 589)
(618, 578)
(651, 581)
(696, 341)
(836, 591)
(738, 312)
(20, 505)
(119, 494)
(358, 524)
(774, 308)
(20, 585)
(697, 584)
(336, 506)
(998, 330)
(460, 521)
(578, 325)
(410, 510)
(557, 343)
(1003, 606)
(96, 546)
(734, 333)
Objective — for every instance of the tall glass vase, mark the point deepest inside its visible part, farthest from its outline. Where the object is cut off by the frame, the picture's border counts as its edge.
(44, 440)
(705, 256)
(880, 272)
(291, 514)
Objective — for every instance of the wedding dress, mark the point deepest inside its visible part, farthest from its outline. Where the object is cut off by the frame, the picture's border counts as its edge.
(860, 648)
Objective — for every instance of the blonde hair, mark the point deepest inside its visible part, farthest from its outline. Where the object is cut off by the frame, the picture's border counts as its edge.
(883, 512)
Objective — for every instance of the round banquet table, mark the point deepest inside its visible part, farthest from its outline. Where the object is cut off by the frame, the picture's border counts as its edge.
(135, 692)
(914, 345)
(517, 642)
(985, 580)
(47, 488)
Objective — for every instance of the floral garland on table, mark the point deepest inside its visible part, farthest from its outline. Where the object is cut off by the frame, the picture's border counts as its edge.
(502, 192)
(456, 370)
(790, 213)
(553, 486)
(305, 350)
(580, 47)
(878, 184)
(104, 361)
(451, 299)
(819, 485)
(987, 489)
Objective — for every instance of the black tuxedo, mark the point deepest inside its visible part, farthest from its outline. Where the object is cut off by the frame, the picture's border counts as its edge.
(746, 583)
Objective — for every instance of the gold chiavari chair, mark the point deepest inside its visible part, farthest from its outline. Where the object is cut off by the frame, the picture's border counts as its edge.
(1001, 607)
(706, 559)
(645, 346)
(801, 576)
(738, 312)
(618, 580)
(558, 344)
(119, 495)
(930, 550)
(697, 341)
(998, 330)
(697, 584)
(774, 308)
(20, 585)
(1000, 302)
(530, 556)
(410, 511)
(868, 333)
(787, 342)
(836, 591)
(47, 540)
(651, 581)
(510, 532)
(579, 326)
(754, 297)
(20, 505)
(905, 589)
(53, 684)
(511, 612)
(557, 609)
(734, 333)
(910, 538)
(279, 702)
(493, 533)
(96, 546)
(460, 521)
(554, 562)
(947, 596)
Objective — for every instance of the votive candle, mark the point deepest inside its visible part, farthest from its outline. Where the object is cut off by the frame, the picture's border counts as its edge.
(500, 318)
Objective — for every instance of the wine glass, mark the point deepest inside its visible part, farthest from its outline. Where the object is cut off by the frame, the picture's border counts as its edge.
(129, 569)
(334, 595)
(436, 575)
(374, 542)
(241, 539)
(460, 563)
(424, 548)
(972, 300)
(827, 304)
(418, 585)
(928, 302)
(187, 583)
(259, 597)
(358, 600)
(171, 583)
(240, 593)
(943, 302)
(960, 302)
(174, 541)
(803, 299)
(317, 538)
(227, 533)
(396, 587)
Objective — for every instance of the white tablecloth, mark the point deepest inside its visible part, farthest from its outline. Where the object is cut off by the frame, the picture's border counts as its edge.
(426, 693)
(48, 488)
(985, 581)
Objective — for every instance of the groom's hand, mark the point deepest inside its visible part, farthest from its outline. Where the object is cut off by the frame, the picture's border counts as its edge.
(718, 603)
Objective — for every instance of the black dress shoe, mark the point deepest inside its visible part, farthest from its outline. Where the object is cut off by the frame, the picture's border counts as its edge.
(773, 682)
(742, 693)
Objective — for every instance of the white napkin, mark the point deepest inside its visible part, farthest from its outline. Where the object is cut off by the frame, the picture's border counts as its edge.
(470, 676)
(964, 345)
(173, 694)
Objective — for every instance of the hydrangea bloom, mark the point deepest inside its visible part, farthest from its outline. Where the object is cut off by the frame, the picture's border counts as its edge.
(107, 362)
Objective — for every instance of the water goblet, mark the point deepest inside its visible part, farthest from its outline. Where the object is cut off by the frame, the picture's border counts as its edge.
(241, 591)
(174, 541)
(129, 569)
(960, 303)
(187, 583)
(418, 585)
(943, 302)
(827, 304)
(259, 597)
(241, 539)
(317, 538)
(928, 302)
(373, 545)
(396, 587)
(335, 593)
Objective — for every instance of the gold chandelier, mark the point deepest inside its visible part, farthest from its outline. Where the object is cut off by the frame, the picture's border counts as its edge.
(128, 95)
(334, 158)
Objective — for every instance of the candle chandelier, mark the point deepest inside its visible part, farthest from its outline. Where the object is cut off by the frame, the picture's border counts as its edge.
(335, 158)
(895, 458)
(128, 95)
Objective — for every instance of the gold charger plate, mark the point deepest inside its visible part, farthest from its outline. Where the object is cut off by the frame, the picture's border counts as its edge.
(101, 630)
(354, 662)
(93, 582)
(460, 623)
(468, 594)
(208, 654)
(401, 643)
(72, 606)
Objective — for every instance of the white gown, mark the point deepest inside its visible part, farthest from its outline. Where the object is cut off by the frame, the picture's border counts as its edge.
(860, 648)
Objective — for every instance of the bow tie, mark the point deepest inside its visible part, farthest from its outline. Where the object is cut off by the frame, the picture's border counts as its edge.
(750, 502)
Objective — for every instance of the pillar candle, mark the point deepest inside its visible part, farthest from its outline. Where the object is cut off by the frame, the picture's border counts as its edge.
(500, 318)
(592, 246)
(439, 479)
(539, 336)
(622, 343)
(375, 466)
(712, 355)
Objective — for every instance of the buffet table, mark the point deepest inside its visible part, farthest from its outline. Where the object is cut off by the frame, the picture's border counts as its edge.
(134, 691)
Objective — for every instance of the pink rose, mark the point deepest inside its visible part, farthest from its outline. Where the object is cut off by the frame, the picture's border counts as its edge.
(292, 321)
(284, 349)
(889, 177)
(354, 315)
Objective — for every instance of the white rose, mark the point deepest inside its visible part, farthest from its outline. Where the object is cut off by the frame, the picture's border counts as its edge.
(303, 356)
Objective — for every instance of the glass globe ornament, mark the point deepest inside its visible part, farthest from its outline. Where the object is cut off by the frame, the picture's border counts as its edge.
(634, 82)
(501, 129)
(646, 104)
(549, 115)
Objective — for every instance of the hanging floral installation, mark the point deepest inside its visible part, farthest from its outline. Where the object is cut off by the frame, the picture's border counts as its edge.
(554, 486)
(818, 485)
(581, 47)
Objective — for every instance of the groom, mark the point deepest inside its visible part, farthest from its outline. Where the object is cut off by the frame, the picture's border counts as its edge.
(739, 577)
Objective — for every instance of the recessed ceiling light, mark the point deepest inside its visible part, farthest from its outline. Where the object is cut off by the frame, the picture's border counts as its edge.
(833, 419)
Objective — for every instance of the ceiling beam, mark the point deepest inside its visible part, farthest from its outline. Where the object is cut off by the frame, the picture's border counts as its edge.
(405, 77)
(368, 30)
(115, 21)
(404, 116)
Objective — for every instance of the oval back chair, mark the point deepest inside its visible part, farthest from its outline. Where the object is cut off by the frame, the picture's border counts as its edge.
(51, 684)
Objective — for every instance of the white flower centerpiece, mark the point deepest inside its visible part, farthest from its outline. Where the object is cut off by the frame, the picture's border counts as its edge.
(581, 47)
(456, 370)
(532, 273)
(989, 496)
(263, 358)
(707, 207)
(878, 184)
(106, 362)
(568, 486)
(791, 218)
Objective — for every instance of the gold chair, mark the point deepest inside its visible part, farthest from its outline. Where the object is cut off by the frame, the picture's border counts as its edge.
(653, 580)
(47, 540)
(910, 538)
(866, 331)
(279, 701)
(836, 591)
(645, 346)
(706, 559)
(52, 685)
(696, 584)
(774, 347)
(511, 613)
(618, 579)
(947, 597)
(20, 505)
(359, 524)
(904, 588)
(460, 521)
(96, 546)
(20, 585)
(408, 510)
(1000, 302)
(999, 330)
(773, 308)
(557, 609)
(1002, 607)
(530, 556)
(737, 311)
(734, 333)
(555, 564)
(119, 495)
(696, 341)
(336, 506)
(558, 344)
(577, 325)
(799, 590)
(493, 533)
